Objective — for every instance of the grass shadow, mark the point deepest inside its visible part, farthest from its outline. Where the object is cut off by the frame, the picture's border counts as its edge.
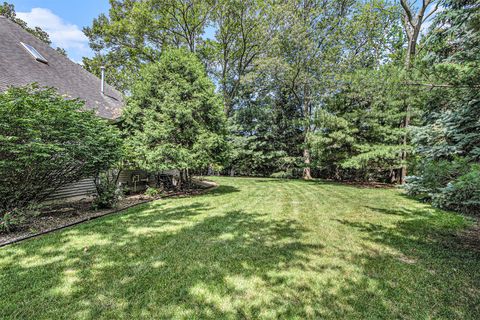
(162, 262)
(237, 257)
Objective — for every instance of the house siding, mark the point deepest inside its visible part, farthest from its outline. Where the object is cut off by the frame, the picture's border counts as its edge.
(84, 188)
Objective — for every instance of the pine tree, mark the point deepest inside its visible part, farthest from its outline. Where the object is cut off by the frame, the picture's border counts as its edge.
(174, 119)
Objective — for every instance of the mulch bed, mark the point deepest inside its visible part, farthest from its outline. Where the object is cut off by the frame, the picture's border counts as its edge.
(62, 215)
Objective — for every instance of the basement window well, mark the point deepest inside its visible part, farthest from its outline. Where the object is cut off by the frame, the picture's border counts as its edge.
(34, 52)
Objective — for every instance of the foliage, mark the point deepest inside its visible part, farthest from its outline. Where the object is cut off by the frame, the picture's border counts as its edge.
(274, 63)
(174, 119)
(108, 191)
(360, 136)
(241, 37)
(463, 194)
(452, 185)
(136, 32)
(263, 137)
(45, 142)
(448, 141)
(152, 192)
(435, 175)
(9, 220)
(347, 90)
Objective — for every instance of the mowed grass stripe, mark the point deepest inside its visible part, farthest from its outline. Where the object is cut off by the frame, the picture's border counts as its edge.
(252, 248)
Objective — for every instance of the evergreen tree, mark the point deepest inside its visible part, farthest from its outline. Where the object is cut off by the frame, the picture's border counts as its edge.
(174, 119)
(360, 137)
(450, 138)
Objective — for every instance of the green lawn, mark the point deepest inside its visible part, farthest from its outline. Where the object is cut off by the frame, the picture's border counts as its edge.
(252, 248)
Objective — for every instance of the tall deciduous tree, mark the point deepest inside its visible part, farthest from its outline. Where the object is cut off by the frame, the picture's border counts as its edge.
(136, 32)
(413, 22)
(241, 36)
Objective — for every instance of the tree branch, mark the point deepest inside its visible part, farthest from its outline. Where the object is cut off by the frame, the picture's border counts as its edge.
(408, 11)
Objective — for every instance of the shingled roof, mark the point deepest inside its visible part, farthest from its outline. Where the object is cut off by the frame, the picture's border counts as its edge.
(18, 68)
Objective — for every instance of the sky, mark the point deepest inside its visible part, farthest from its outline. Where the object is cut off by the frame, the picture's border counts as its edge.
(63, 20)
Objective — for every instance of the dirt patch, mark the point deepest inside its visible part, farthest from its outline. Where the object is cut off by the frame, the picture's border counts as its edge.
(61, 215)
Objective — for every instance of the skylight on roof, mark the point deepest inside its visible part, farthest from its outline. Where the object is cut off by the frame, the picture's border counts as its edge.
(34, 53)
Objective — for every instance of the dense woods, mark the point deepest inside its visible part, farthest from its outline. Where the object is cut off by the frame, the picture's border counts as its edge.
(371, 90)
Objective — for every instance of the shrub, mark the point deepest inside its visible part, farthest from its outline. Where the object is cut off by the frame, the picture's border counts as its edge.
(463, 194)
(10, 220)
(108, 191)
(45, 142)
(152, 192)
(435, 175)
(452, 185)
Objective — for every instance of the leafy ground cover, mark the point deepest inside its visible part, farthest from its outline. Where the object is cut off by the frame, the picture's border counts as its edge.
(252, 248)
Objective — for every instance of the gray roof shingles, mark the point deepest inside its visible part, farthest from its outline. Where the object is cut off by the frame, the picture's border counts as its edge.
(19, 68)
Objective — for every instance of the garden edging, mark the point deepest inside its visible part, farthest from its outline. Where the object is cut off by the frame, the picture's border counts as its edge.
(211, 186)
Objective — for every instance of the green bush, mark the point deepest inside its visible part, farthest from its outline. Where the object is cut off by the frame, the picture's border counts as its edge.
(435, 175)
(152, 192)
(463, 194)
(108, 191)
(9, 220)
(452, 185)
(45, 142)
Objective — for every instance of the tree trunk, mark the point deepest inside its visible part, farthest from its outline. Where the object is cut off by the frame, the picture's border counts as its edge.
(402, 172)
(413, 26)
(307, 174)
(403, 158)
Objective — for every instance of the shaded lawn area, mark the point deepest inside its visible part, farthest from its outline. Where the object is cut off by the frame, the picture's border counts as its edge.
(252, 248)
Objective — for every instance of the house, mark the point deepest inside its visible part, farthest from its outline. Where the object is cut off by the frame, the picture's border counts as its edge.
(24, 59)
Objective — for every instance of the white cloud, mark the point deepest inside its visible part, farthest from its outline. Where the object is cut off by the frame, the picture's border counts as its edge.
(63, 34)
(427, 24)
